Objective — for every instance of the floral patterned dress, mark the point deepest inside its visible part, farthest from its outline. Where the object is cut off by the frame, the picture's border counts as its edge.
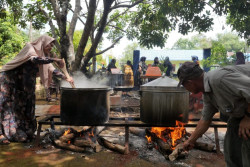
(17, 100)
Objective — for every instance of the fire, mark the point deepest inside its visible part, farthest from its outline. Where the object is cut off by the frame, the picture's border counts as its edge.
(165, 133)
(66, 132)
(149, 139)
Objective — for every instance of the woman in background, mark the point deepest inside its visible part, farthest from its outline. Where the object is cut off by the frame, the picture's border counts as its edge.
(128, 74)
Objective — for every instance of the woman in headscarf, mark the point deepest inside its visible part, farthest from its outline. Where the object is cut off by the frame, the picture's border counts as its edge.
(156, 62)
(240, 59)
(128, 74)
(17, 84)
(168, 66)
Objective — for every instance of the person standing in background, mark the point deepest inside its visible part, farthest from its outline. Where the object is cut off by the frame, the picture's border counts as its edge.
(111, 65)
(128, 74)
(168, 65)
(240, 59)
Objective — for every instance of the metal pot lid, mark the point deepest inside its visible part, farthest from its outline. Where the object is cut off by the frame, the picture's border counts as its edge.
(163, 84)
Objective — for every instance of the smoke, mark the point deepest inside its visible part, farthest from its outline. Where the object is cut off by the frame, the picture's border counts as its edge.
(81, 81)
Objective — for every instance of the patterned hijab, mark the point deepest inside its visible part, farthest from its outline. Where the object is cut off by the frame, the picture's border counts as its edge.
(33, 49)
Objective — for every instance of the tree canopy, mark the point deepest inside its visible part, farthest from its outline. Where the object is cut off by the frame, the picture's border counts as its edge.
(229, 41)
(11, 40)
(148, 21)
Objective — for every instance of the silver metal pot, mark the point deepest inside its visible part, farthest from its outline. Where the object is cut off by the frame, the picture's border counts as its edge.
(162, 102)
(84, 106)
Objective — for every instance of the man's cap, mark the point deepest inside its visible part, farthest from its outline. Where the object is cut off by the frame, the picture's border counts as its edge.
(188, 71)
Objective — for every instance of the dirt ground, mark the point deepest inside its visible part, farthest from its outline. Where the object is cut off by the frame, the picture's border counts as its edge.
(25, 154)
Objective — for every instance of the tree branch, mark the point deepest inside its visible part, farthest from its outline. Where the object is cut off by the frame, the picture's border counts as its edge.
(56, 10)
(74, 19)
(126, 6)
(85, 35)
(117, 16)
(78, 16)
(116, 28)
(111, 46)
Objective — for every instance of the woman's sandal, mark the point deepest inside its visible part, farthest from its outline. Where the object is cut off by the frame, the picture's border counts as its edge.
(3, 140)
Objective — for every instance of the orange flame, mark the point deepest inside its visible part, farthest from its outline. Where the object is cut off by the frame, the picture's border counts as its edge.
(91, 134)
(69, 142)
(149, 139)
(66, 132)
(174, 134)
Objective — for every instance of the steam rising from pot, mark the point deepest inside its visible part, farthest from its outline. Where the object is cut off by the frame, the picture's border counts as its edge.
(81, 81)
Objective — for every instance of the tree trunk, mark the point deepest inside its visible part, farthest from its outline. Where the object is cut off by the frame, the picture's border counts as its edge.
(64, 38)
(103, 21)
(72, 30)
(85, 36)
(94, 64)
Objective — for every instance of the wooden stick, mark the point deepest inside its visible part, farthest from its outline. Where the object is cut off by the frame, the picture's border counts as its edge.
(64, 70)
(112, 146)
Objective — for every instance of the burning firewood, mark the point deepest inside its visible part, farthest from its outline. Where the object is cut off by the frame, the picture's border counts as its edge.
(69, 147)
(67, 137)
(112, 146)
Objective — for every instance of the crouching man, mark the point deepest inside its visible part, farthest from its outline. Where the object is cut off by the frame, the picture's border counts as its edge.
(226, 90)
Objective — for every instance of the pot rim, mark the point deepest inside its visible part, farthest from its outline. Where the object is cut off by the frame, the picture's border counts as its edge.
(87, 89)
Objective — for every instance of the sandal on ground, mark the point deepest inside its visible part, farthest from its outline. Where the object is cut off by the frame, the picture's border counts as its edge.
(4, 140)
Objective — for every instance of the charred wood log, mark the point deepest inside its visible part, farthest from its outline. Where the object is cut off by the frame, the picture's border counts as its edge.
(66, 138)
(84, 143)
(112, 146)
(163, 147)
(70, 147)
(204, 146)
(137, 131)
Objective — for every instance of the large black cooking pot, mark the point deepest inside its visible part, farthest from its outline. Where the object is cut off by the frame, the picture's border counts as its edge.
(162, 102)
(84, 106)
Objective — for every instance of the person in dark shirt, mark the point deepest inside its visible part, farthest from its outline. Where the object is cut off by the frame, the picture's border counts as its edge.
(167, 64)
(111, 65)
(240, 59)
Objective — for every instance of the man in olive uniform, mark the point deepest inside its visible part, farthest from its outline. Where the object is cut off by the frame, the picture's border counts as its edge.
(226, 90)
